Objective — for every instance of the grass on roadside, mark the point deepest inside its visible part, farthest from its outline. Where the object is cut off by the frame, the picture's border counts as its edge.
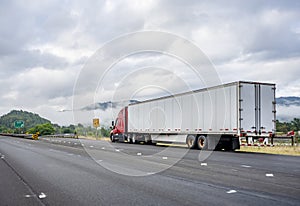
(282, 150)
(94, 138)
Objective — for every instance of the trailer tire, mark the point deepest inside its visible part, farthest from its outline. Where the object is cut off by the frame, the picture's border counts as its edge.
(191, 141)
(202, 142)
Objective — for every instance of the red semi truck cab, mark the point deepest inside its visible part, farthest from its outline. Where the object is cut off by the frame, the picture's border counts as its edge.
(119, 127)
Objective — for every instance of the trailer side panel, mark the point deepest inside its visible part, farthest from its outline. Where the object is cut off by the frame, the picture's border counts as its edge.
(212, 111)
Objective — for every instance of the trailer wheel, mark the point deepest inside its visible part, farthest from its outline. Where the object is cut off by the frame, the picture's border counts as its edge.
(202, 142)
(191, 141)
(148, 139)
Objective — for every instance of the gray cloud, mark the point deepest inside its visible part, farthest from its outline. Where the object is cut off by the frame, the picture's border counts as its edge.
(44, 44)
(266, 30)
(30, 59)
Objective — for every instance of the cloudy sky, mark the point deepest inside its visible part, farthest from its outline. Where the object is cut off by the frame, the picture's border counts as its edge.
(45, 46)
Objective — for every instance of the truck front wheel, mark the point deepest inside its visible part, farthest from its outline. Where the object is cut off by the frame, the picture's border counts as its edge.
(112, 138)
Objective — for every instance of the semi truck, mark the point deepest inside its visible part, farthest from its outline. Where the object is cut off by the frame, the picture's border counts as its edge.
(206, 119)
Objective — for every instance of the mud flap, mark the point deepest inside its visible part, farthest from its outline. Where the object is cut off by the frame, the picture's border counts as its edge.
(235, 143)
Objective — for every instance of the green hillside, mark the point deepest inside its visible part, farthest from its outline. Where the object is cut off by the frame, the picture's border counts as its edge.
(30, 120)
(34, 123)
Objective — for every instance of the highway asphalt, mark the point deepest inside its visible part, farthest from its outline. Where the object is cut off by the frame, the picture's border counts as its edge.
(62, 171)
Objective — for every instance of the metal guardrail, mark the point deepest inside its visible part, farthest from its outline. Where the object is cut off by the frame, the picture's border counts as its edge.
(270, 141)
(61, 136)
(293, 139)
(36, 136)
(25, 136)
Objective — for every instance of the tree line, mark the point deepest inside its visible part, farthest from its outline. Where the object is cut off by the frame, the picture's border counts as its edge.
(285, 127)
(50, 129)
(33, 123)
(81, 130)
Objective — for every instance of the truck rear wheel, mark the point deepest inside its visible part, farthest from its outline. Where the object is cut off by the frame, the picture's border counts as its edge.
(191, 141)
(132, 139)
(202, 142)
(129, 140)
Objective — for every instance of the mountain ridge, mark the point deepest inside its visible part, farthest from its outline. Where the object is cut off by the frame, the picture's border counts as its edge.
(30, 119)
(288, 101)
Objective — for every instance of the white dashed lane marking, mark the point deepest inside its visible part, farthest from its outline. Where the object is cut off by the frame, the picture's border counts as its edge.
(231, 191)
(42, 195)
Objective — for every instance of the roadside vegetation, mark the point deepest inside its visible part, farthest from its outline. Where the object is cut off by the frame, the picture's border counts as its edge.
(33, 123)
(284, 127)
(282, 150)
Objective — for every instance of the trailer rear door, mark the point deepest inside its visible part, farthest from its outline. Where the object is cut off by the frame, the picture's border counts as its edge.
(267, 108)
(257, 108)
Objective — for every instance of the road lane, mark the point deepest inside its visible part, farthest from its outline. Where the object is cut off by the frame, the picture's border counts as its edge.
(67, 175)
(13, 188)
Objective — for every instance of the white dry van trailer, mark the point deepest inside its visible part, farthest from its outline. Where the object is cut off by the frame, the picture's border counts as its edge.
(209, 118)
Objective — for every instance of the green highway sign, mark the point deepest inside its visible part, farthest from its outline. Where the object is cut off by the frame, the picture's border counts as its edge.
(19, 124)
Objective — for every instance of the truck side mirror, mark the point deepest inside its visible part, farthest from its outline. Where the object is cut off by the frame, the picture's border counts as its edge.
(112, 125)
